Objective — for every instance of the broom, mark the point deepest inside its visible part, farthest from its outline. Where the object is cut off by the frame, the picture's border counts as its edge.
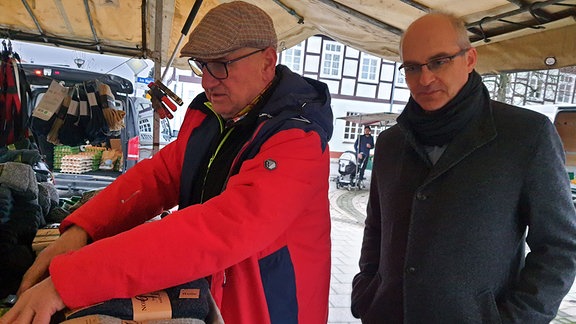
(52, 136)
(114, 118)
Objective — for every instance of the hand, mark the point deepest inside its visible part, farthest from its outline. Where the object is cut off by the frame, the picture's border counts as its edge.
(36, 305)
(368, 145)
(73, 239)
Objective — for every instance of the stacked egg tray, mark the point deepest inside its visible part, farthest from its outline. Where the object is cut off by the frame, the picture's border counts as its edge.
(96, 151)
(77, 163)
(62, 150)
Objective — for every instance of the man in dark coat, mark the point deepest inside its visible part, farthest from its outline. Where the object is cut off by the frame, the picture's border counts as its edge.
(459, 187)
(362, 146)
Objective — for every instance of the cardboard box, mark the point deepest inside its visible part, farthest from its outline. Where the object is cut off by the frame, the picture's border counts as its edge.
(43, 238)
(116, 144)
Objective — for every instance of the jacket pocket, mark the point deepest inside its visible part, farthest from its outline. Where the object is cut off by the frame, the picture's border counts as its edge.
(363, 293)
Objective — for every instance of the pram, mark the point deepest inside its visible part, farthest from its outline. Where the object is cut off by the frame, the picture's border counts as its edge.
(348, 170)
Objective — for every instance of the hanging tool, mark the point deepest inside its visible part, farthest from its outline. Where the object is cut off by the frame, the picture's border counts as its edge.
(160, 102)
(169, 92)
(162, 111)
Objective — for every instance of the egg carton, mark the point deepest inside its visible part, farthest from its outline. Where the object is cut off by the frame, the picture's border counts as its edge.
(77, 163)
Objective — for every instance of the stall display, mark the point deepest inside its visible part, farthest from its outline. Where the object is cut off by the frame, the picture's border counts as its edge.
(77, 115)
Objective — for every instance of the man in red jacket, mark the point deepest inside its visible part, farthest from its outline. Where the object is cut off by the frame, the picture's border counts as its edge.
(249, 173)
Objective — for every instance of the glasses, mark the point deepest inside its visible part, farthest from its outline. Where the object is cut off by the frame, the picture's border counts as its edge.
(434, 65)
(219, 70)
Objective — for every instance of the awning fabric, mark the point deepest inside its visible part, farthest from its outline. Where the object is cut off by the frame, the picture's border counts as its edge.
(510, 35)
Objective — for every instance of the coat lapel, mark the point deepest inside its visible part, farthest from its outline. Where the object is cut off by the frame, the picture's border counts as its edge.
(481, 131)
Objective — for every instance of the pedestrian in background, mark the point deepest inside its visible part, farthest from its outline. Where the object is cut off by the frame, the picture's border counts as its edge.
(459, 187)
(249, 172)
(362, 146)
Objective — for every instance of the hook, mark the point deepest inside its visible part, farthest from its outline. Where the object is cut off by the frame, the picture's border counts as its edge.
(484, 36)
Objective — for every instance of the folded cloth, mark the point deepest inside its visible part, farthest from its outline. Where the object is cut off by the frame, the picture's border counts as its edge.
(105, 319)
(6, 204)
(189, 300)
(26, 219)
(47, 197)
(21, 144)
(29, 157)
(86, 196)
(56, 215)
(20, 178)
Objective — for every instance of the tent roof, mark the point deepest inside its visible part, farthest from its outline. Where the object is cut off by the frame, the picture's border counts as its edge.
(510, 35)
(380, 118)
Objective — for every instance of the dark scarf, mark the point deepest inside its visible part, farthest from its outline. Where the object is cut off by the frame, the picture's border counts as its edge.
(439, 127)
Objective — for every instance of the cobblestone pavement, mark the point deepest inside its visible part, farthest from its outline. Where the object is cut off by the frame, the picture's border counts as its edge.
(348, 211)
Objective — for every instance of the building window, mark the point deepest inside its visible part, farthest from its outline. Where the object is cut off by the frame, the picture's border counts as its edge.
(144, 126)
(332, 57)
(535, 87)
(350, 128)
(565, 89)
(369, 68)
(353, 130)
(292, 58)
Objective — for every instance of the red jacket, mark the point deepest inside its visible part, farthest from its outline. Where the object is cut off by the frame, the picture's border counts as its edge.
(265, 240)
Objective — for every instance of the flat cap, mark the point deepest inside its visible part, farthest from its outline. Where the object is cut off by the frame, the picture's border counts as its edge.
(228, 27)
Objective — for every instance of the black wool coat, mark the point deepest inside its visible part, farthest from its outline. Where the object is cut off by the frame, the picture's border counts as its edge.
(445, 243)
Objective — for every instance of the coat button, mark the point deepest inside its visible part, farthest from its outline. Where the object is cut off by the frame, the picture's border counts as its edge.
(421, 196)
(411, 270)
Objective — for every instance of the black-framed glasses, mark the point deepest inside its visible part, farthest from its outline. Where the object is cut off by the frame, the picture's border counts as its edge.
(219, 70)
(434, 65)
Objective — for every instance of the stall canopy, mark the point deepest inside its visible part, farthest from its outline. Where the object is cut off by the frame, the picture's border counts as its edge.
(379, 119)
(510, 35)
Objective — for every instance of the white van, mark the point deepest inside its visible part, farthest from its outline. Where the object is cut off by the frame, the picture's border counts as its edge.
(146, 125)
(564, 118)
(565, 122)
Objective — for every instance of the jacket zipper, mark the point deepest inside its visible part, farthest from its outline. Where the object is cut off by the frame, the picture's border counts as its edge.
(222, 129)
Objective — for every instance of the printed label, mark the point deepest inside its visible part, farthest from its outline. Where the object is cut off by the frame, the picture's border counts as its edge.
(152, 306)
(191, 293)
(84, 109)
(92, 99)
(50, 102)
(73, 108)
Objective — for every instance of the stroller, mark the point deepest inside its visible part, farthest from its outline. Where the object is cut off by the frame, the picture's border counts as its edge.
(348, 170)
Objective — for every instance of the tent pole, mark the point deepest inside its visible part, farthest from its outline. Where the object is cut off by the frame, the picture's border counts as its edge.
(185, 29)
(157, 71)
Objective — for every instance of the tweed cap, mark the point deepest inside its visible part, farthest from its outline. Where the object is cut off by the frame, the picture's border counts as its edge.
(229, 27)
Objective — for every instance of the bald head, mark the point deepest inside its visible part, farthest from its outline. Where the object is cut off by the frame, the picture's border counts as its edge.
(437, 58)
(437, 25)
